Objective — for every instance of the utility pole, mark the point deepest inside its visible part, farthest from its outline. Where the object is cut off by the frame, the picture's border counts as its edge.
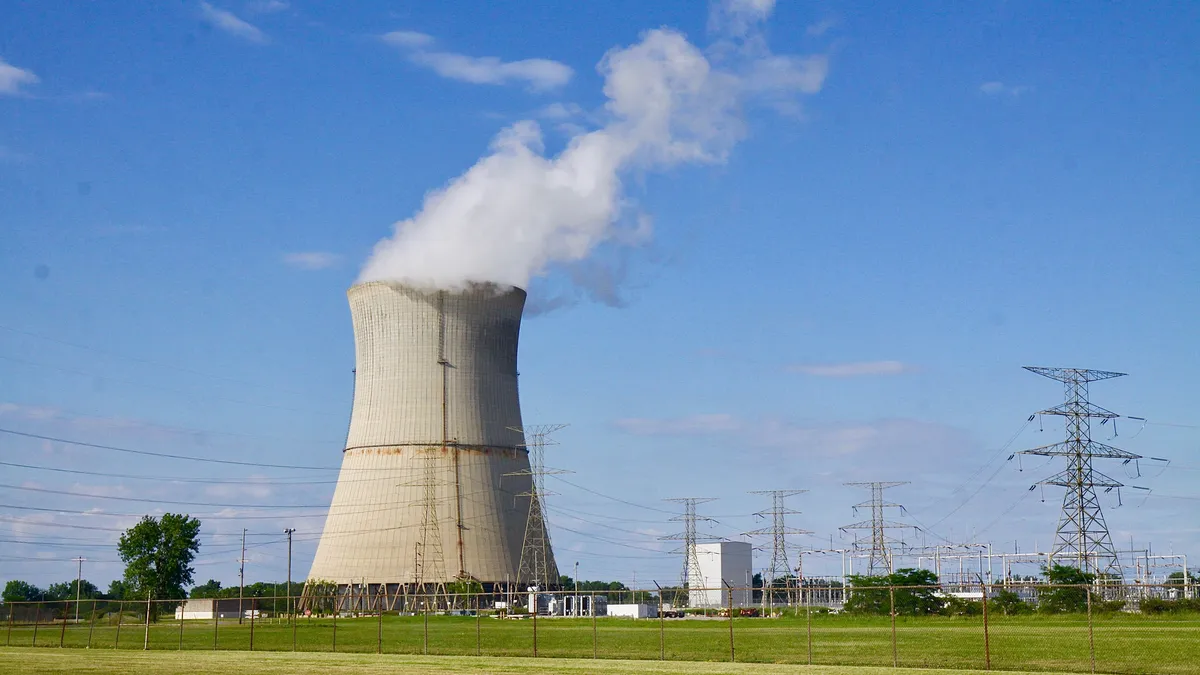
(288, 532)
(241, 576)
(691, 577)
(78, 585)
(778, 530)
(537, 566)
(1082, 533)
(575, 602)
(881, 558)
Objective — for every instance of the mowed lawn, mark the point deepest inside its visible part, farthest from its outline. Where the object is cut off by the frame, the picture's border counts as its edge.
(29, 660)
(1120, 643)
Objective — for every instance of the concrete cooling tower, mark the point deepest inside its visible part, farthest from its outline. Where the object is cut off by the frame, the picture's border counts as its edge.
(435, 483)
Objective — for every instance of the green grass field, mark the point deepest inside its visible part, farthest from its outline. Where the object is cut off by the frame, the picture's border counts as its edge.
(27, 660)
(1122, 643)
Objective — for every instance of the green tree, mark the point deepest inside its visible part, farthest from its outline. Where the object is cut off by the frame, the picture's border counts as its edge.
(1009, 603)
(1068, 591)
(208, 589)
(157, 553)
(21, 591)
(117, 590)
(66, 590)
(870, 595)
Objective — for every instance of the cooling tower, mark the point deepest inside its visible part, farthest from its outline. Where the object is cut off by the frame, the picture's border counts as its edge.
(426, 493)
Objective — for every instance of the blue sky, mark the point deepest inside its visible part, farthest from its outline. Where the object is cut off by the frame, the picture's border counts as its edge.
(187, 190)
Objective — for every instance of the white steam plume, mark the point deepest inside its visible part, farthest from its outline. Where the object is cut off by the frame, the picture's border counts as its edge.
(517, 211)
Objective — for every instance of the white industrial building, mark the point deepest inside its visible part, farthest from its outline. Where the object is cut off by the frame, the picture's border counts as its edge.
(435, 474)
(723, 564)
(630, 611)
(204, 608)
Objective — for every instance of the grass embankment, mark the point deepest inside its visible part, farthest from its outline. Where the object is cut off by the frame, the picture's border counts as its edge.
(1169, 645)
(28, 660)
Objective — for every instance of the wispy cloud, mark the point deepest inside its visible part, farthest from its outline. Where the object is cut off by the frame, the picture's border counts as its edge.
(692, 425)
(537, 74)
(267, 6)
(230, 23)
(9, 155)
(821, 27)
(777, 78)
(312, 260)
(888, 436)
(12, 79)
(852, 369)
(996, 88)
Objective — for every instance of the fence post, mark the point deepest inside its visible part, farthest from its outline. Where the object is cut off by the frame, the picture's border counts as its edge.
(335, 613)
(62, 636)
(987, 643)
(478, 628)
(292, 617)
(92, 624)
(662, 626)
(379, 636)
(425, 616)
(216, 610)
(808, 608)
(732, 654)
(253, 611)
(37, 615)
(181, 606)
(1091, 638)
(120, 617)
(8, 638)
(892, 604)
(595, 633)
(534, 610)
(146, 636)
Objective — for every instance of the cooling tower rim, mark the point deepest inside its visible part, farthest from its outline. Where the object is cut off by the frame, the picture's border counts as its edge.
(473, 287)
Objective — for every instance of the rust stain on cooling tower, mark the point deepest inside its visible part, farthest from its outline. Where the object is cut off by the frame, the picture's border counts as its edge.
(429, 366)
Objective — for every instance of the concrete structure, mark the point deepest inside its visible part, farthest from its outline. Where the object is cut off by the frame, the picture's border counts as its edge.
(202, 608)
(424, 496)
(638, 611)
(723, 564)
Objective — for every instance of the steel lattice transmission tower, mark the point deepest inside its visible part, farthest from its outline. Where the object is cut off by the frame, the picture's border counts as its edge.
(881, 558)
(1082, 533)
(537, 565)
(778, 530)
(691, 561)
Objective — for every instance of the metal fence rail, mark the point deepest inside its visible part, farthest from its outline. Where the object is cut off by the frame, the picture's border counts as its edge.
(1093, 628)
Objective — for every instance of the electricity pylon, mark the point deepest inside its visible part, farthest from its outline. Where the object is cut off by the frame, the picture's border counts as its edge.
(881, 559)
(778, 530)
(1082, 534)
(692, 577)
(537, 566)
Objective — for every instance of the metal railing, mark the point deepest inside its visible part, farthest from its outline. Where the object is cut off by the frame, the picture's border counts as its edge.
(1044, 627)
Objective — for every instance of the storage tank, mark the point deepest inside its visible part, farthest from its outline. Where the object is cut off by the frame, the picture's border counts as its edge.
(435, 478)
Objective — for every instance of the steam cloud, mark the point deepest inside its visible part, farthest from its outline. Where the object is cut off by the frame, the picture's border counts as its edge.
(516, 211)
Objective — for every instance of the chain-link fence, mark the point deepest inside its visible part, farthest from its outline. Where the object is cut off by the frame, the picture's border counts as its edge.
(1026, 626)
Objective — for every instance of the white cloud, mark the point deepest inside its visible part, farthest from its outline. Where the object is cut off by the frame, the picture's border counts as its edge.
(538, 74)
(853, 369)
(560, 111)
(997, 88)
(312, 260)
(13, 78)
(230, 23)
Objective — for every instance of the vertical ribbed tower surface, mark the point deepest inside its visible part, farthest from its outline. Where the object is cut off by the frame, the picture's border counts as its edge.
(422, 496)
